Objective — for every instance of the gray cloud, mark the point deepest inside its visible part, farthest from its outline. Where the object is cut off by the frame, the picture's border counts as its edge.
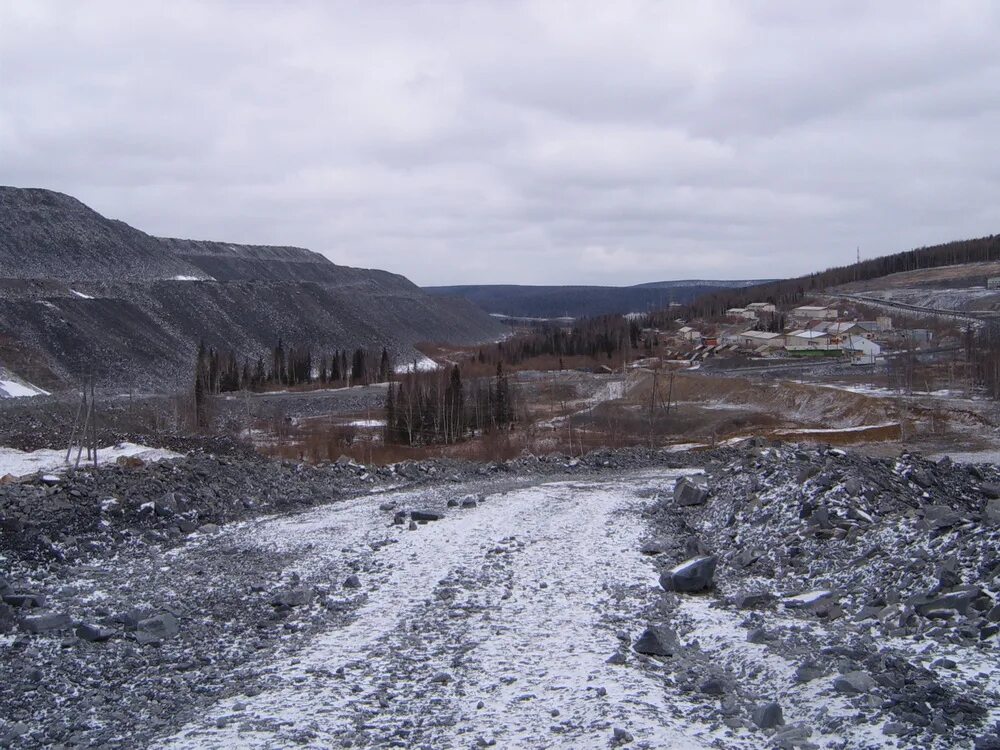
(541, 142)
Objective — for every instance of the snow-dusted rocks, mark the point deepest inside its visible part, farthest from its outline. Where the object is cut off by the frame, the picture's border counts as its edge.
(691, 576)
(690, 491)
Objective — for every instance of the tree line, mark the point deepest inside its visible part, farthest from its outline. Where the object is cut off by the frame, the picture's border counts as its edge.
(286, 366)
(604, 336)
(436, 407)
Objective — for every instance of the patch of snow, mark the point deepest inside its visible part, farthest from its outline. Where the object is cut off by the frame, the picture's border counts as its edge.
(81, 295)
(367, 423)
(23, 463)
(16, 389)
(191, 278)
(423, 364)
(836, 430)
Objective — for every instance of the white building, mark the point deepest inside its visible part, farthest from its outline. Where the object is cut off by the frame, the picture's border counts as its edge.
(863, 351)
(812, 312)
(688, 333)
(762, 307)
(741, 312)
(803, 340)
(759, 339)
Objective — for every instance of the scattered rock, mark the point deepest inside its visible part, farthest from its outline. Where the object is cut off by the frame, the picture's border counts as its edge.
(93, 633)
(691, 576)
(156, 629)
(426, 515)
(656, 642)
(768, 715)
(45, 623)
(689, 491)
(854, 683)
(352, 582)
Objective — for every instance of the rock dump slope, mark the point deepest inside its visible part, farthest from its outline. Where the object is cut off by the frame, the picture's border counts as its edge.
(830, 600)
(82, 295)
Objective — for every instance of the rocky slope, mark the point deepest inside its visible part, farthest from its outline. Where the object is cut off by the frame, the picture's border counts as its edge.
(82, 295)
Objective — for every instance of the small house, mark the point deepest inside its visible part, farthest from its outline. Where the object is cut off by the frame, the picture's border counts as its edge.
(762, 307)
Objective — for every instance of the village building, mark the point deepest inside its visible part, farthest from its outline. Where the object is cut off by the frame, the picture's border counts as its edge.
(762, 307)
(803, 340)
(689, 334)
(759, 339)
(861, 350)
(810, 312)
(741, 312)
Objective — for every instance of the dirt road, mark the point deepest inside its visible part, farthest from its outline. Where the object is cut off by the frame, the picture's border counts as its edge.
(492, 625)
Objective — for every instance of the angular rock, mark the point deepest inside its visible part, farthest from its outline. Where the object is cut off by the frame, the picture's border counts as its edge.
(469, 502)
(426, 515)
(808, 671)
(93, 633)
(293, 597)
(768, 715)
(750, 599)
(656, 642)
(158, 628)
(690, 492)
(691, 576)
(352, 582)
(45, 623)
(24, 599)
(854, 683)
(941, 516)
(713, 686)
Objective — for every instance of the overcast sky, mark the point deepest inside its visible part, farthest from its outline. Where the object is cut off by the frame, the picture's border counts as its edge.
(611, 142)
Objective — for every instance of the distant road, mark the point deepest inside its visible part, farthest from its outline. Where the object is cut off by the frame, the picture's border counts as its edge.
(972, 317)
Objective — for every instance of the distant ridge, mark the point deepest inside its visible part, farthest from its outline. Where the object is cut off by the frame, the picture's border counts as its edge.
(523, 301)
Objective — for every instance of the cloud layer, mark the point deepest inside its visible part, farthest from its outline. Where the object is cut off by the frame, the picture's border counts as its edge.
(505, 142)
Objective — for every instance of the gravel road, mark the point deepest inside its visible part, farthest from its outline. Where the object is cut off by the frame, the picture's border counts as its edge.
(492, 625)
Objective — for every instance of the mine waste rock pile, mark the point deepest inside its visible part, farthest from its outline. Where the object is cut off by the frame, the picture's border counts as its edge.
(807, 590)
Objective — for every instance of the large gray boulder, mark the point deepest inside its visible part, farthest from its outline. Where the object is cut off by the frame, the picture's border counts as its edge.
(157, 629)
(691, 576)
(93, 633)
(45, 623)
(768, 715)
(853, 683)
(656, 642)
(690, 491)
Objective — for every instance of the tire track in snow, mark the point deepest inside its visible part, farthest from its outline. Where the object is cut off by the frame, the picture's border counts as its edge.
(477, 629)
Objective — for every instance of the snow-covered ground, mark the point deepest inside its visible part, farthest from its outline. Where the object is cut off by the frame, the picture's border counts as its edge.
(10, 388)
(422, 364)
(22, 463)
(493, 624)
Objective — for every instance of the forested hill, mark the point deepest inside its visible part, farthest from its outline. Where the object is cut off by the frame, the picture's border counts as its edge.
(580, 301)
(792, 291)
